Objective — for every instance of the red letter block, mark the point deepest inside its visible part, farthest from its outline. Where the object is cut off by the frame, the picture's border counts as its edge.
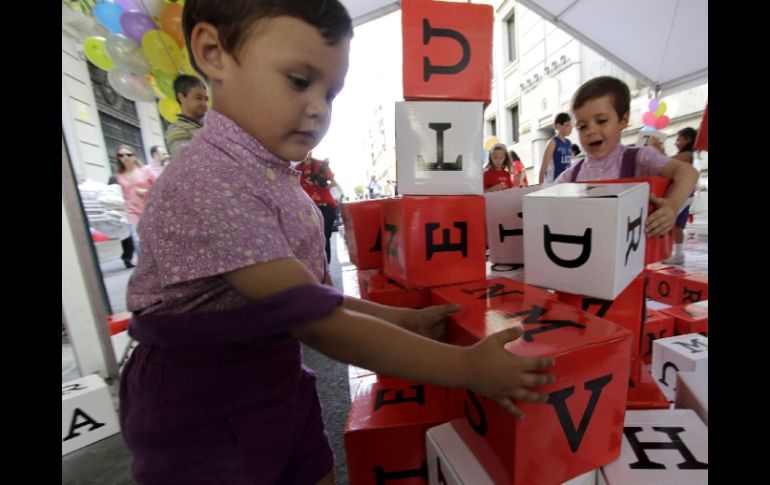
(656, 325)
(388, 292)
(580, 427)
(692, 318)
(363, 221)
(663, 285)
(385, 430)
(693, 288)
(643, 393)
(447, 50)
(434, 240)
(625, 310)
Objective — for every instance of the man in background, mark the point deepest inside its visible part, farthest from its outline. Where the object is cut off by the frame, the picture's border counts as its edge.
(158, 159)
(191, 94)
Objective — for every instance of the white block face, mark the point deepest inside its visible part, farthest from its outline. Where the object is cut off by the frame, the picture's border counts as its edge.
(588, 478)
(692, 392)
(683, 353)
(450, 462)
(439, 148)
(584, 238)
(684, 460)
(505, 226)
(87, 413)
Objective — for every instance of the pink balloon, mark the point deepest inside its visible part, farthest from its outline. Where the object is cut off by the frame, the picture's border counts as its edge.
(649, 118)
(662, 122)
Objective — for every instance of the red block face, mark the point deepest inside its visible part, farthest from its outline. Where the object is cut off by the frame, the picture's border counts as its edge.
(385, 430)
(625, 310)
(663, 285)
(643, 393)
(364, 281)
(656, 325)
(580, 428)
(692, 318)
(386, 291)
(434, 240)
(693, 288)
(362, 232)
(470, 325)
(447, 50)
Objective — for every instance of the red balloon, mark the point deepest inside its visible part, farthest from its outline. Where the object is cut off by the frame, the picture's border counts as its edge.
(649, 118)
(662, 122)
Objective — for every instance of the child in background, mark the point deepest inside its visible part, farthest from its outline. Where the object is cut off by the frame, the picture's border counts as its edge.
(558, 152)
(519, 172)
(601, 107)
(497, 172)
(685, 143)
(231, 280)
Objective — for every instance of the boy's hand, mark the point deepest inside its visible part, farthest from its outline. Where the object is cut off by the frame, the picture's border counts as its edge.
(503, 376)
(429, 322)
(662, 219)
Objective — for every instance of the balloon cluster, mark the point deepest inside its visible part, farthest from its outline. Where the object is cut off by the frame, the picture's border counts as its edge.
(655, 119)
(143, 52)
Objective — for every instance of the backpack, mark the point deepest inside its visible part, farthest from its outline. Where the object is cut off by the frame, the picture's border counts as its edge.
(627, 166)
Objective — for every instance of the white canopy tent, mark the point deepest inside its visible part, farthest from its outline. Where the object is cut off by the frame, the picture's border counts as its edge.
(664, 43)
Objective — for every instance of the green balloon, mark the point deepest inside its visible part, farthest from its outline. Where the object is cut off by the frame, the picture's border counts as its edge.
(96, 52)
(165, 83)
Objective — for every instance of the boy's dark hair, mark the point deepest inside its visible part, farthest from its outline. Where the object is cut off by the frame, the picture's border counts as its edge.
(561, 118)
(603, 86)
(154, 150)
(236, 20)
(514, 156)
(184, 83)
(575, 150)
(691, 134)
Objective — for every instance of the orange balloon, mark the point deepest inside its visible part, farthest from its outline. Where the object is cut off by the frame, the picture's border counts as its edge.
(171, 22)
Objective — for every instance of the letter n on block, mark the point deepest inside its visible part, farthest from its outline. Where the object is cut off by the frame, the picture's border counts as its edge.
(447, 50)
(363, 232)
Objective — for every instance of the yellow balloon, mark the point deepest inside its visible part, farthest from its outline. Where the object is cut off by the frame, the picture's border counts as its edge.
(661, 109)
(168, 109)
(490, 142)
(96, 52)
(162, 51)
(187, 68)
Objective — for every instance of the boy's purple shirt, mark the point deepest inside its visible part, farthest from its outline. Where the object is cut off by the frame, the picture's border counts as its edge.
(649, 162)
(225, 203)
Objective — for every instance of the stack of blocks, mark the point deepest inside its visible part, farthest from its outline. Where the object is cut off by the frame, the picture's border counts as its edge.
(87, 413)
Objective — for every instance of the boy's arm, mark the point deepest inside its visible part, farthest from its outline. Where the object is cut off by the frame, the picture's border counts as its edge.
(547, 157)
(370, 342)
(684, 177)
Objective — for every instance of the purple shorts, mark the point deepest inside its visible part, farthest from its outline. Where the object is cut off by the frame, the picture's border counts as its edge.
(681, 219)
(196, 421)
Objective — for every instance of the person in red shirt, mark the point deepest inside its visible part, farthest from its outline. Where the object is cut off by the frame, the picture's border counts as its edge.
(519, 172)
(497, 172)
(317, 180)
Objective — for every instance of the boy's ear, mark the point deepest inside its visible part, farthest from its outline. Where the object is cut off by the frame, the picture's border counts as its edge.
(624, 121)
(208, 51)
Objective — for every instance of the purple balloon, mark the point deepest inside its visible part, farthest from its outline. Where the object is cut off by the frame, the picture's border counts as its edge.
(653, 105)
(127, 5)
(135, 24)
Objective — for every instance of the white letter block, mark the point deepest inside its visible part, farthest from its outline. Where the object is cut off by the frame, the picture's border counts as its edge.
(683, 353)
(586, 239)
(664, 447)
(439, 148)
(505, 226)
(87, 413)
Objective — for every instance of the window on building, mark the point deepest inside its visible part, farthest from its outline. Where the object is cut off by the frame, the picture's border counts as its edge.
(514, 111)
(492, 126)
(510, 29)
(118, 116)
